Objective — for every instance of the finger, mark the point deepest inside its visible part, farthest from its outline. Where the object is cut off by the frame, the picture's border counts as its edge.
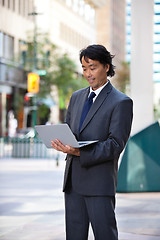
(59, 146)
(54, 145)
(59, 143)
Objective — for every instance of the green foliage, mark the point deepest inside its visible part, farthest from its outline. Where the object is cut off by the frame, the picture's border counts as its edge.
(61, 70)
(43, 113)
(66, 79)
(122, 78)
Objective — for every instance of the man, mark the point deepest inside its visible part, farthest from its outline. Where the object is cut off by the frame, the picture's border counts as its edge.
(91, 172)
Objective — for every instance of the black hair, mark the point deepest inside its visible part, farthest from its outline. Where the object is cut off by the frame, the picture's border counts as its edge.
(99, 53)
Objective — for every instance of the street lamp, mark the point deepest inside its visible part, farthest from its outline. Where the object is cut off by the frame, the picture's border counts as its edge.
(34, 69)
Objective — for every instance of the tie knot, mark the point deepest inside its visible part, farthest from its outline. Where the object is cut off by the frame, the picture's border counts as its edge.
(92, 95)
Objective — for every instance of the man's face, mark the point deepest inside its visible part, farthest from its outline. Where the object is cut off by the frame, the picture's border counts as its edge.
(95, 73)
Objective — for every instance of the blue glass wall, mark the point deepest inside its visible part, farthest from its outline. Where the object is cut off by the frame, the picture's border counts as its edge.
(156, 37)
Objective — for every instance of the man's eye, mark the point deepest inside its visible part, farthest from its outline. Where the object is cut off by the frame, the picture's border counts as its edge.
(84, 70)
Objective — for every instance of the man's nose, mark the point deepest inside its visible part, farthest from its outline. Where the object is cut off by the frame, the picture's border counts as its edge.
(88, 73)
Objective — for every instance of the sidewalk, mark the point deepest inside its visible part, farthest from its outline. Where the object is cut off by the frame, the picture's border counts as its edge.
(32, 207)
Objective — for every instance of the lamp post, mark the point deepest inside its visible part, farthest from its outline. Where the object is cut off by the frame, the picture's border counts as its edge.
(34, 77)
(34, 69)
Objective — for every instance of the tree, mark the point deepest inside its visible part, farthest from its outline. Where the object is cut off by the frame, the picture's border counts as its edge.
(122, 77)
(65, 77)
(67, 81)
(60, 70)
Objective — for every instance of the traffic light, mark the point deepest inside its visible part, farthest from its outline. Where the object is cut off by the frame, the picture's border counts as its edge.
(27, 100)
(33, 82)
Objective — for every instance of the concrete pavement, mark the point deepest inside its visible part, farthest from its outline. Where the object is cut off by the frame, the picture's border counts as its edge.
(32, 206)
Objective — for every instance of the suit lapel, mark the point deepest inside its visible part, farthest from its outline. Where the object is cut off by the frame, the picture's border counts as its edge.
(96, 105)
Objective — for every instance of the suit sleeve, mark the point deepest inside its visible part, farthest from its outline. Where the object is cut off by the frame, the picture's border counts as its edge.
(119, 131)
(68, 115)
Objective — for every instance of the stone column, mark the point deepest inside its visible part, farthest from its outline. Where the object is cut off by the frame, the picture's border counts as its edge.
(142, 63)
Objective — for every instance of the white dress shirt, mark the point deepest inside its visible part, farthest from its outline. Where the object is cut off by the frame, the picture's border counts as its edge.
(97, 91)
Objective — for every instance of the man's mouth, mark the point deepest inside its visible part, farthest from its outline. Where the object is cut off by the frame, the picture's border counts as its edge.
(91, 80)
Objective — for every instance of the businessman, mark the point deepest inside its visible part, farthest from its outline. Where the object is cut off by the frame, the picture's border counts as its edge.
(98, 112)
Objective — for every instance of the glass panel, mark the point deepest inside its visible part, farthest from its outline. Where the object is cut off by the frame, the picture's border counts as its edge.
(1, 44)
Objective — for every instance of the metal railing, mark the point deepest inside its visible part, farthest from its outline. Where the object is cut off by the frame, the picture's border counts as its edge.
(25, 148)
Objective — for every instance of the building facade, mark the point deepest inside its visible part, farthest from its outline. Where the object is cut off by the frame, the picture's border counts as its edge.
(110, 28)
(14, 23)
(156, 58)
(156, 49)
(70, 24)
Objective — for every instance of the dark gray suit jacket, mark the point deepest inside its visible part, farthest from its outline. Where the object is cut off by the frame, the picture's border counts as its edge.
(109, 121)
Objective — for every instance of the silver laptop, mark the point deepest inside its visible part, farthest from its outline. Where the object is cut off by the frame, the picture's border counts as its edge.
(62, 132)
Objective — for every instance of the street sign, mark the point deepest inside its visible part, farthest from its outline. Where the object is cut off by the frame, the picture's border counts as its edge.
(33, 83)
(41, 72)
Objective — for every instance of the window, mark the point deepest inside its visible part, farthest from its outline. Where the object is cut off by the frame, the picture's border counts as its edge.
(9, 4)
(156, 58)
(75, 5)
(13, 5)
(1, 44)
(69, 2)
(8, 43)
(22, 51)
(19, 6)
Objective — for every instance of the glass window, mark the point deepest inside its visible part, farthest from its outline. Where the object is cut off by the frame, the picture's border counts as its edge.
(128, 10)
(156, 57)
(156, 77)
(156, 67)
(156, 38)
(13, 5)
(129, 2)
(128, 29)
(87, 12)
(69, 2)
(128, 20)
(1, 44)
(156, 18)
(8, 47)
(157, 28)
(81, 10)
(128, 57)
(157, 8)
(75, 5)
(156, 48)
(128, 38)
(19, 6)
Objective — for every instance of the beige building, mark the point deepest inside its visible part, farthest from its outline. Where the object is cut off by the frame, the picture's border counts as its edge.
(14, 24)
(70, 23)
(73, 24)
(110, 28)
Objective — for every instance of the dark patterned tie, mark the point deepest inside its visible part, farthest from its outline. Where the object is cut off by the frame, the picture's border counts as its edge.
(86, 108)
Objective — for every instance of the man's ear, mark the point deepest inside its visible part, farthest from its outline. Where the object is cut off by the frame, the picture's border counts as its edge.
(107, 66)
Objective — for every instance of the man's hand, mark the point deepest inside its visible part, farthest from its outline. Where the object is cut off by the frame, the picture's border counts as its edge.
(57, 145)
